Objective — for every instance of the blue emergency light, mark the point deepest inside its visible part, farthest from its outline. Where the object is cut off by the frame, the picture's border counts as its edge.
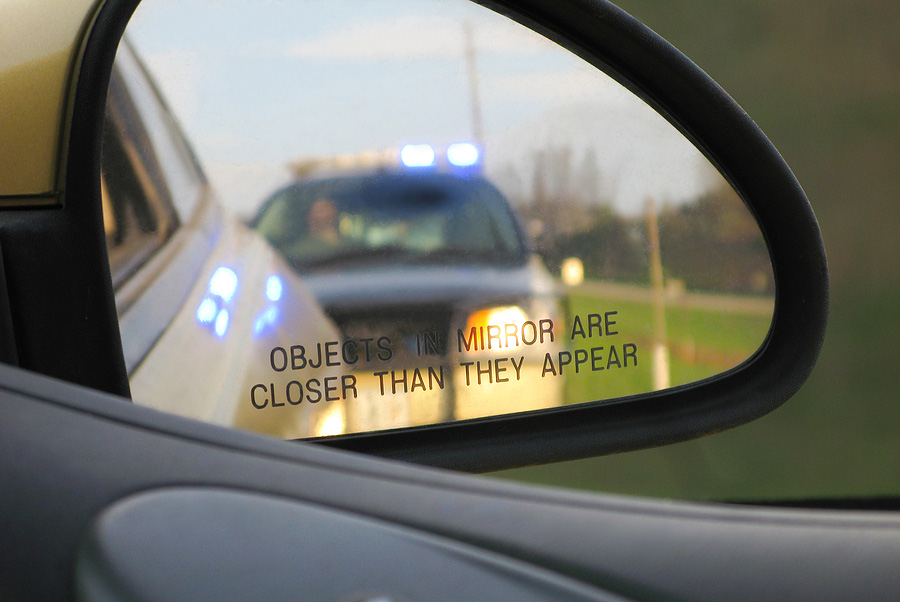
(274, 288)
(224, 283)
(221, 325)
(206, 312)
(417, 155)
(462, 154)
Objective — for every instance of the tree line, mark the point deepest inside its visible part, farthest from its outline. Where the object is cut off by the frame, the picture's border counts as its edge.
(710, 243)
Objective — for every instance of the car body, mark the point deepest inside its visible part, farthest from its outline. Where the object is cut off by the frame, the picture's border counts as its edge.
(105, 499)
(437, 263)
(197, 292)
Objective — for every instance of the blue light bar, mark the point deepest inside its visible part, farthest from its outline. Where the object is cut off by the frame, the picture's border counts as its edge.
(463, 154)
(206, 313)
(417, 155)
(274, 288)
(266, 318)
(223, 283)
(221, 325)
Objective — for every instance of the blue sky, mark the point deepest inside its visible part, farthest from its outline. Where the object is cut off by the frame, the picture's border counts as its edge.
(259, 83)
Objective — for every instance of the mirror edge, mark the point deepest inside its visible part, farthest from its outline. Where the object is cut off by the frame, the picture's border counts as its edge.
(635, 56)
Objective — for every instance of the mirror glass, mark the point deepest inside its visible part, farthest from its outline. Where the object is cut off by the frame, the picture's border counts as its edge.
(411, 213)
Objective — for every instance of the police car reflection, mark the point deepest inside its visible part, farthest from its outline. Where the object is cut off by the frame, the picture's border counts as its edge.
(432, 264)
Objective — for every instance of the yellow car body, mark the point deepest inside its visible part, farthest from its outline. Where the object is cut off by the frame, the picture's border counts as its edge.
(38, 62)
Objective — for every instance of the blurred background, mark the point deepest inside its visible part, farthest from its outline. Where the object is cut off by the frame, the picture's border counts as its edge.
(822, 79)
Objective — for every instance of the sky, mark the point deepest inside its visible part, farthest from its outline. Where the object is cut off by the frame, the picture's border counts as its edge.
(258, 84)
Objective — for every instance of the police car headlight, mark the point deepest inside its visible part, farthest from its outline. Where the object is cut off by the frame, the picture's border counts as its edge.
(331, 422)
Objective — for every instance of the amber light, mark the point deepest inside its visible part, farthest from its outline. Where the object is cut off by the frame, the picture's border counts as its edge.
(331, 423)
(497, 317)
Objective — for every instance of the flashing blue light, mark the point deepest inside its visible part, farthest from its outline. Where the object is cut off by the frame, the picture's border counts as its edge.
(463, 154)
(267, 317)
(206, 312)
(222, 323)
(274, 288)
(417, 155)
(224, 283)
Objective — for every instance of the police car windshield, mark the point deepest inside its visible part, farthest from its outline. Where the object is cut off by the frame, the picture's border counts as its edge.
(423, 218)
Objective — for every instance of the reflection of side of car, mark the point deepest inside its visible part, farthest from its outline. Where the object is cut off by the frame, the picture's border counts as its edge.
(202, 300)
(436, 267)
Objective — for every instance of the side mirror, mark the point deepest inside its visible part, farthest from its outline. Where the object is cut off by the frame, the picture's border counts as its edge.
(424, 265)
(636, 57)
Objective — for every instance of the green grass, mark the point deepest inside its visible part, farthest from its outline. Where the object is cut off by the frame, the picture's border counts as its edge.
(702, 343)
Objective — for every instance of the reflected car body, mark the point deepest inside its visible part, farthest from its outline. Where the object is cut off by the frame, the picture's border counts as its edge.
(437, 264)
(202, 299)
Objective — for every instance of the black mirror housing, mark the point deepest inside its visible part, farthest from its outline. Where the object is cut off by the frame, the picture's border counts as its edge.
(636, 57)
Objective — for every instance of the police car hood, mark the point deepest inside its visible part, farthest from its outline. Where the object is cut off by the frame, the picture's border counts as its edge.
(399, 285)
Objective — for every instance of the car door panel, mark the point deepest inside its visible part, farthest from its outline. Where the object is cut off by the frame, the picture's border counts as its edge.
(285, 550)
(92, 451)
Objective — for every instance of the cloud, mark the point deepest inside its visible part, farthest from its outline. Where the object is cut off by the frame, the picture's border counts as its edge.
(580, 85)
(419, 37)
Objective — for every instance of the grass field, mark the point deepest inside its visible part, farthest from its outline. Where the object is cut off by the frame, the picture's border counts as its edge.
(703, 337)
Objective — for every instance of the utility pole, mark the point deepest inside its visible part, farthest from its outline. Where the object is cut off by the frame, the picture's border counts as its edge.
(474, 93)
(661, 378)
